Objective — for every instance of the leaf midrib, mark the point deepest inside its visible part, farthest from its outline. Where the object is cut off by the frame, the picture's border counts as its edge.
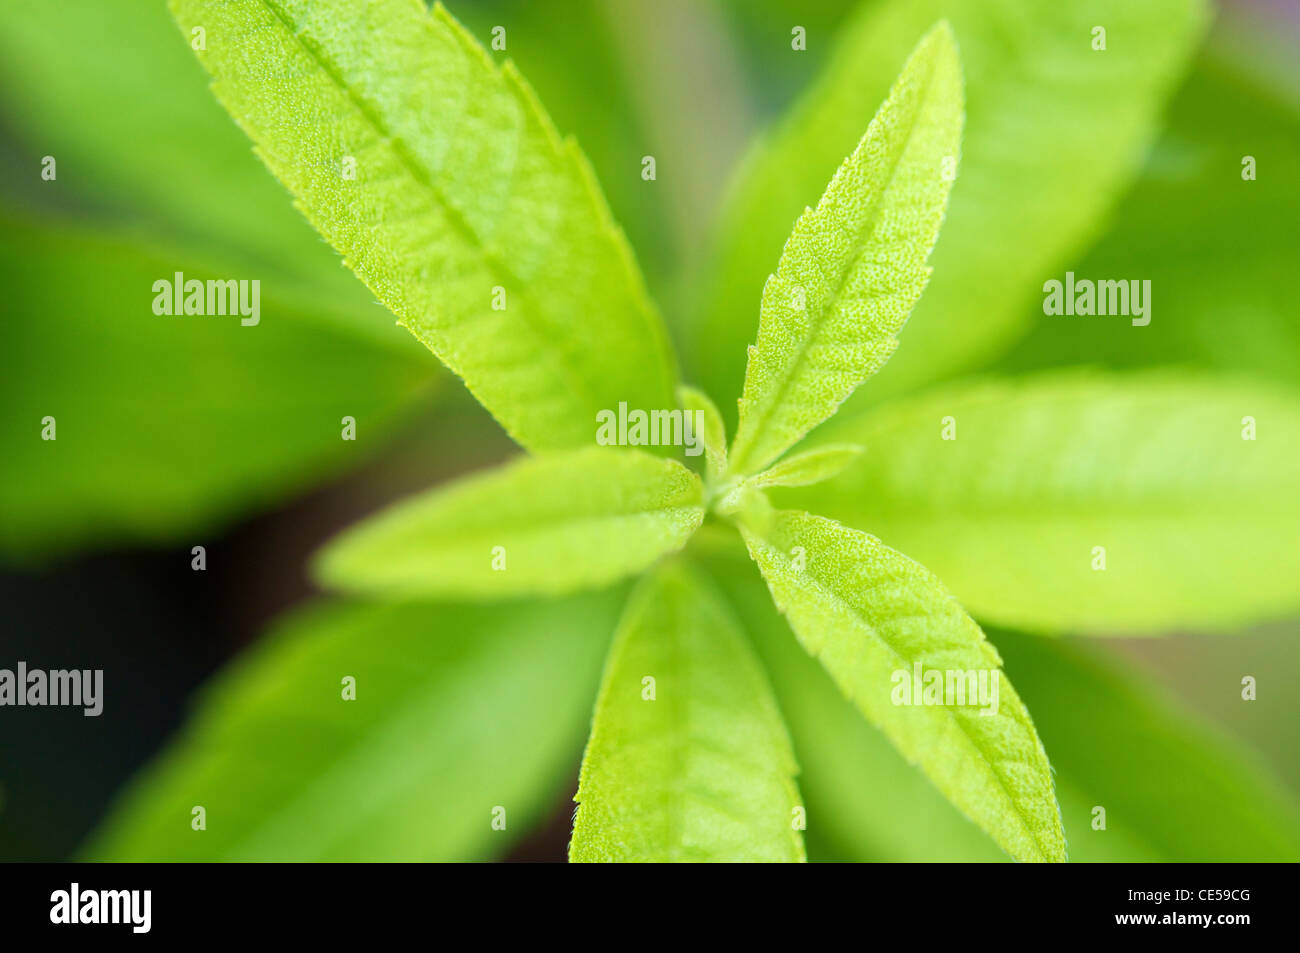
(836, 598)
(521, 523)
(505, 274)
(801, 353)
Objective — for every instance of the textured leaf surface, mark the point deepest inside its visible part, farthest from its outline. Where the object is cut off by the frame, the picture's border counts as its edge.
(866, 612)
(464, 197)
(714, 434)
(543, 525)
(703, 772)
(865, 802)
(1198, 524)
(854, 267)
(1054, 130)
(808, 467)
(170, 425)
(458, 711)
(1175, 788)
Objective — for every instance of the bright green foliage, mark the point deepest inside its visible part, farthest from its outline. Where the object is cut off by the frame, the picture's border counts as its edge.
(468, 216)
(1174, 788)
(864, 801)
(543, 525)
(809, 466)
(688, 758)
(168, 425)
(485, 233)
(1234, 237)
(445, 727)
(1054, 131)
(695, 401)
(866, 613)
(573, 58)
(1198, 524)
(854, 266)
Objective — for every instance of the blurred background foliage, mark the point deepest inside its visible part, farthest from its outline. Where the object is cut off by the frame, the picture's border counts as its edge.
(173, 435)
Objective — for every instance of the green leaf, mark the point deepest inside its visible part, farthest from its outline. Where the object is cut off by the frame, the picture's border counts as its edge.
(1198, 525)
(458, 711)
(855, 266)
(166, 426)
(714, 434)
(1210, 242)
(540, 526)
(811, 466)
(875, 620)
(700, 770)
(1175, 788)
(1054, 130)
(465, 201)
(865, 802)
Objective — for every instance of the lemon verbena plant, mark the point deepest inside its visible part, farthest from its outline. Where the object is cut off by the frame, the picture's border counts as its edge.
(441, 181)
